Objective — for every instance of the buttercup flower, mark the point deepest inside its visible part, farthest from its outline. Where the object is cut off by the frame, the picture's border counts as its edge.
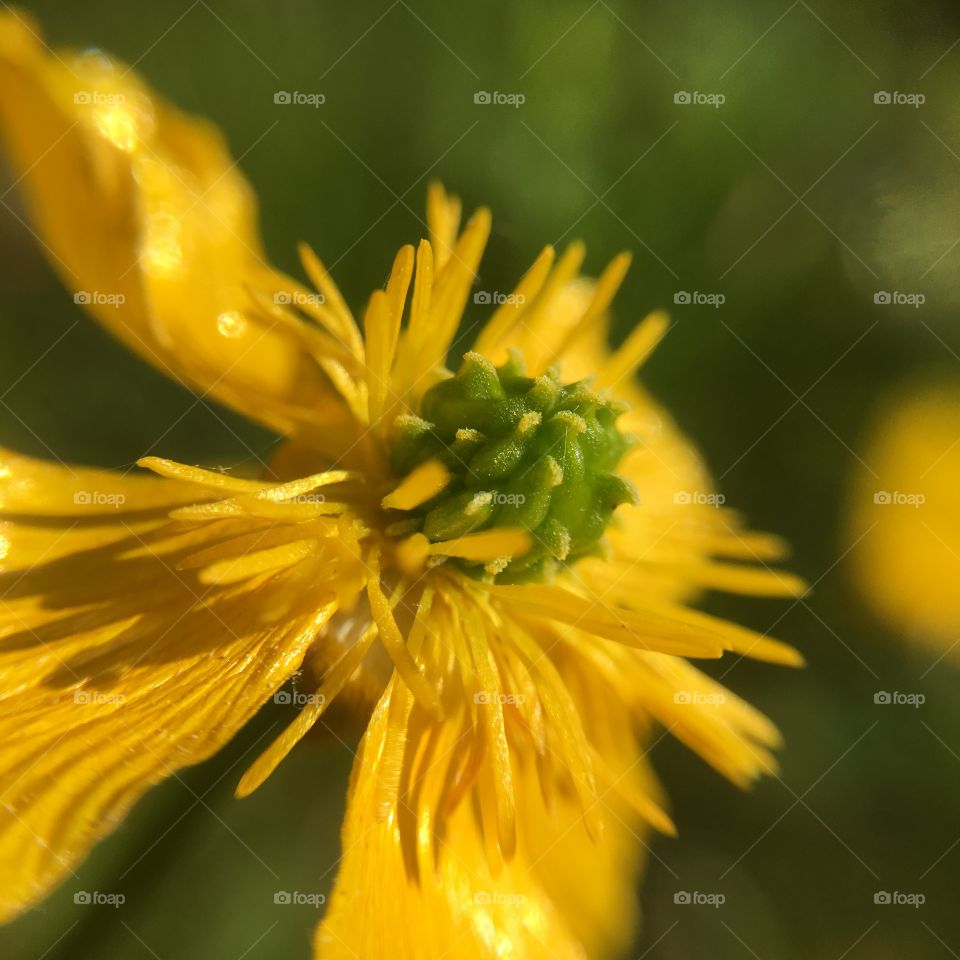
(903, 524)
(497, 558)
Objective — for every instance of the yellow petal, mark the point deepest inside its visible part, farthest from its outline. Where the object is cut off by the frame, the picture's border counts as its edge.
(147, 219)
(562, 897)
(119, 669)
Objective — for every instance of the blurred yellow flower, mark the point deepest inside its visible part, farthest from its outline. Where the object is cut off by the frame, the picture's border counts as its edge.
(904, 517)
(498, 560)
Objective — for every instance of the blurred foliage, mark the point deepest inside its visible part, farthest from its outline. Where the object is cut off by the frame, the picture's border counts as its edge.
(798, 199)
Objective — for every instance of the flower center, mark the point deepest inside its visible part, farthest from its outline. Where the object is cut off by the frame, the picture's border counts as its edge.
(522, 452)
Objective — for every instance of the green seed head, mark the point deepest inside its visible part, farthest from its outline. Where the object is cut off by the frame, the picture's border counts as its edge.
(523, 452)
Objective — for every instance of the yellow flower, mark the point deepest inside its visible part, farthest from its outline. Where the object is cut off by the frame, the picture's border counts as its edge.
(903, 526)
(498, 561)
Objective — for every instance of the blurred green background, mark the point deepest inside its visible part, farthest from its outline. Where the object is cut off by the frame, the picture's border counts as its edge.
(797, 199)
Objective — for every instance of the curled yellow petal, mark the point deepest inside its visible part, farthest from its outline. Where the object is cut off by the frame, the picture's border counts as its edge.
(148, 220)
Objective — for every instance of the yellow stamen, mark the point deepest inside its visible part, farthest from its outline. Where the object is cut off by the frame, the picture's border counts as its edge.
(381, 325)
(604, 292)
(443, 220)
(491, 717)
(353, 391)
(486, 545)
(411, 554)
(635, 350)
(346, 326)
(418, 329)
(208, 478)
(260, 561)
(642, 629)
(738, 639)
(333, 682)
(257, 539)
(419, 486)
(304, 485)
(394, 644)
(451, 289)
(491, 341)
